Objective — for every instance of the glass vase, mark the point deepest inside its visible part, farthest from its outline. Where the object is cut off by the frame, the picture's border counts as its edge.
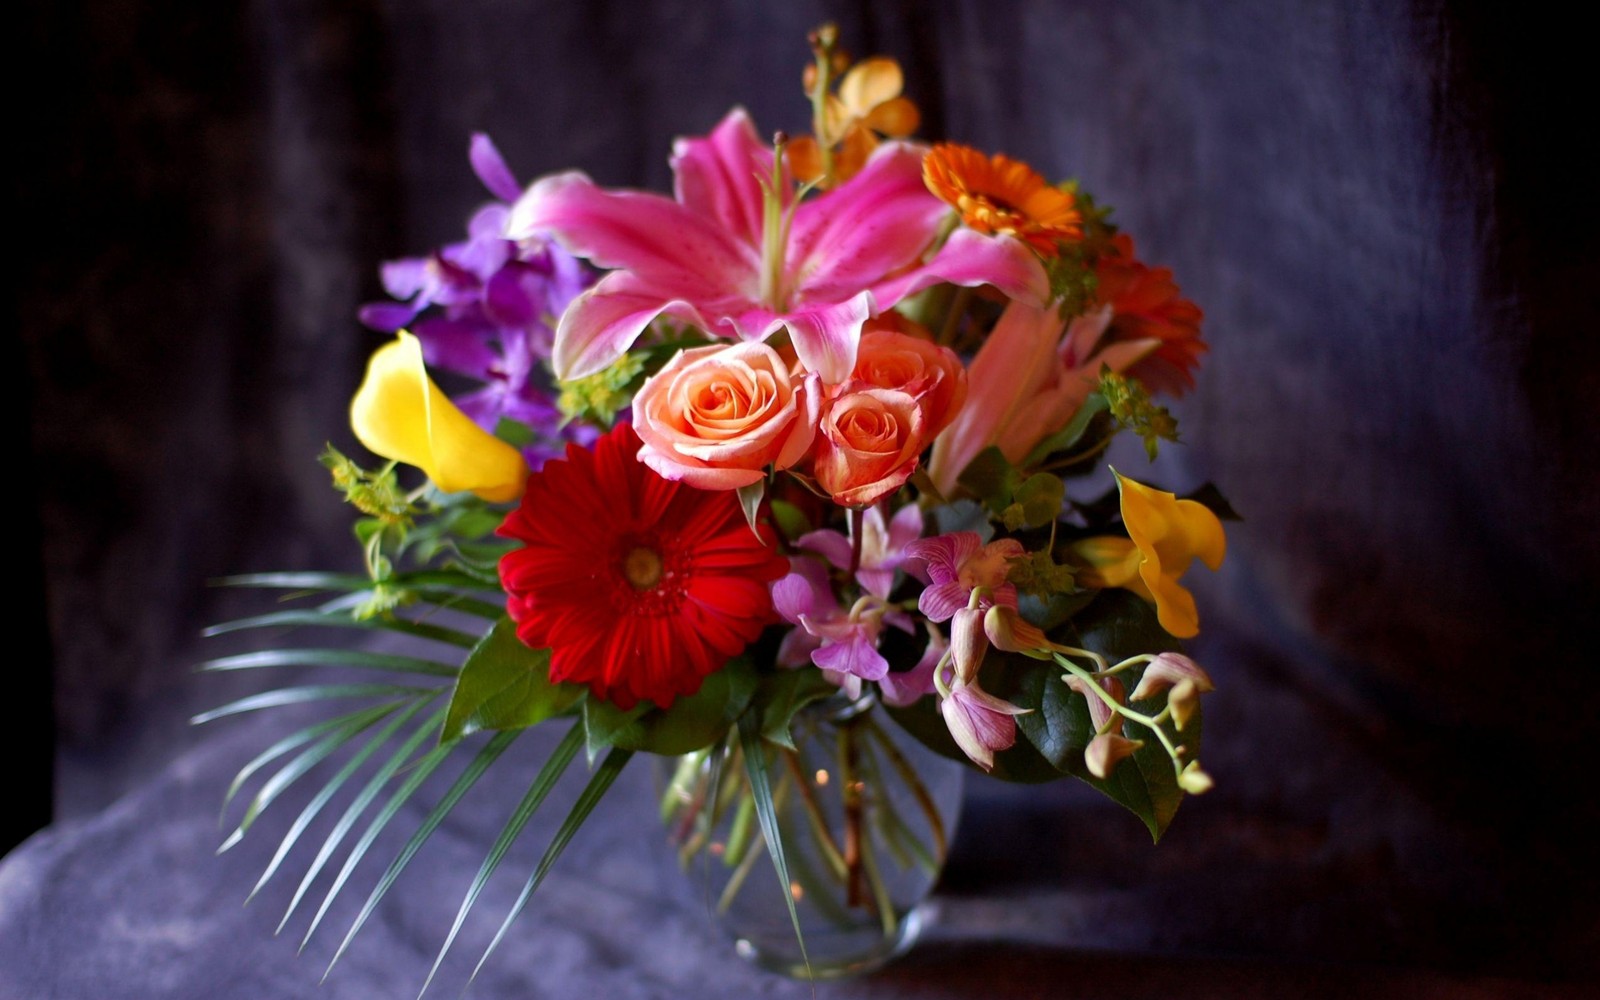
(865, 814)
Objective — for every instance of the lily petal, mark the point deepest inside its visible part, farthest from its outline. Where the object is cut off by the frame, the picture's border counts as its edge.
(675, 250)
(826, 337)
(969, 259)
(716, 175)
(604, 322)
(877, 223)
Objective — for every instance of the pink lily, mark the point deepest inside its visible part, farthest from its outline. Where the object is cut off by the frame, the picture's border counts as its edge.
(1026, 382)
(882, 547)
(730, 260)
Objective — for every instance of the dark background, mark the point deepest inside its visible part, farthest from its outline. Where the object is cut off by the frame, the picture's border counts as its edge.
(1380, 206)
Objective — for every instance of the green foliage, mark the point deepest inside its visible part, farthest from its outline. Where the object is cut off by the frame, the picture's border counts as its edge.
(374, 493)
(1068, 436)
(692, 723)
(755, 763)
(505, 685)
(598, 398)
(780, 694)
(1015, 501)
(1073, 281)
(1130, 404)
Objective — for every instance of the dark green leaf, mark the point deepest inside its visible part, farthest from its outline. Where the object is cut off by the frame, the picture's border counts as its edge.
(1211, 497)
(990, 478)
(791, 522)
(1040, 498)
(590, 797)
(310, 657)
(781, 694)
(1069, 435)
(548, 775)
(469, 777)
(287, 743)
(505, 685)
(692, 723)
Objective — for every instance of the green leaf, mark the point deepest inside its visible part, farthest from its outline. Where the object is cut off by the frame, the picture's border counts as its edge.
(303, 762)
(469, 777)
(990, 478)
(328, 791)
(548, 775)
(310, 657)
(419, 773)
(335, 618)
(692, 723)
(1069, 435)
(287, 743)
(791, 521)
(358, 805)
(755, 765)
(781, 694)
(1039, 498)
(1211, 497)
(297, 695)
(592, 793)
(750, 502)
(505, 685)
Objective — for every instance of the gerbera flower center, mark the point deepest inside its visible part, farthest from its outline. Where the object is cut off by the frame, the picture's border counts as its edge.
(643, 568)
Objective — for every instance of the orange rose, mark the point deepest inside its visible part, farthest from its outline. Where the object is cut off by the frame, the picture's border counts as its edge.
(868, 443)
(716, 417)
(891, 359)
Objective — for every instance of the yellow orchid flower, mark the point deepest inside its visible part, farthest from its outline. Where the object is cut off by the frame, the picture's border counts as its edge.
(868, 104)
(399, 413)
(1165, 535)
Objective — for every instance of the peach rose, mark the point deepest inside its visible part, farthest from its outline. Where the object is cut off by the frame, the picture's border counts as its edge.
(892, 356)
(868, 443)
(716, 417)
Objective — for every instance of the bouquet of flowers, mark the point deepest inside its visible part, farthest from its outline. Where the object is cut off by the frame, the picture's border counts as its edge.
(769, 477)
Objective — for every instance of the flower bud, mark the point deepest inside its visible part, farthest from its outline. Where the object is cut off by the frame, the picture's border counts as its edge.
(1168, 669)
(1193, 780)
(1009, 631)
(1100, 714)
(1105, 751)
(967, 643)
(1184, 700)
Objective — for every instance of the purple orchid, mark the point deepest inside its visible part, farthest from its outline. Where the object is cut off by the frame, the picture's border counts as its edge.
(734, 257)
(955, 565)
(494, 304)
(882, 547)
(909, 686)
(979, 722)
(843, 644)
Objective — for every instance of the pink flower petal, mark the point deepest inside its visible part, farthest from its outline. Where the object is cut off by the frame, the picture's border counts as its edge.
(855, 657)
(830, 545)
(875, 224)
(677, 252)
(971, 259)
(826, 337)
(716, 176)
(491, 168)
(604, 322)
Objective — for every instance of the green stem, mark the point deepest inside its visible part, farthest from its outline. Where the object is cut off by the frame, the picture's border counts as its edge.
(919, 791)
(814, 817)
(1153, 723)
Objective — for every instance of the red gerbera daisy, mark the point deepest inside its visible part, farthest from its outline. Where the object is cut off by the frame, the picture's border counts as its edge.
(638, 585)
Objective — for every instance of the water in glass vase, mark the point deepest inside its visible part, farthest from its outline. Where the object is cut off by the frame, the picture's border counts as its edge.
(865, 814)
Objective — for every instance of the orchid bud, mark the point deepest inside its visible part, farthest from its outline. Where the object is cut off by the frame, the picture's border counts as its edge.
(1193, 780)
(1184, 700)
(1105, 751)
(1100, 714)
(1009, 631)
(967, 643)
(1168, 669)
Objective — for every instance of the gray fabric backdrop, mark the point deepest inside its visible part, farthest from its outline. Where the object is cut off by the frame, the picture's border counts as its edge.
(1373, 202)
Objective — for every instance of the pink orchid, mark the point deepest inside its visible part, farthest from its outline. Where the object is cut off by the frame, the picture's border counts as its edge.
(909, 686)
(979, 722)
(1026, 382)
(882, 547)
(955, 565)
(732, 261)
(844, 644)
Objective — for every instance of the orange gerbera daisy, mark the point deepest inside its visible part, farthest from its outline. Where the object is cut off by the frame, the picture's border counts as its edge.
(1147, 304)
(1002, 196)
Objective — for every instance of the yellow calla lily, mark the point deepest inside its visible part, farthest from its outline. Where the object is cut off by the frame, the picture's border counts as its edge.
(399, 413)
(1165, 535)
